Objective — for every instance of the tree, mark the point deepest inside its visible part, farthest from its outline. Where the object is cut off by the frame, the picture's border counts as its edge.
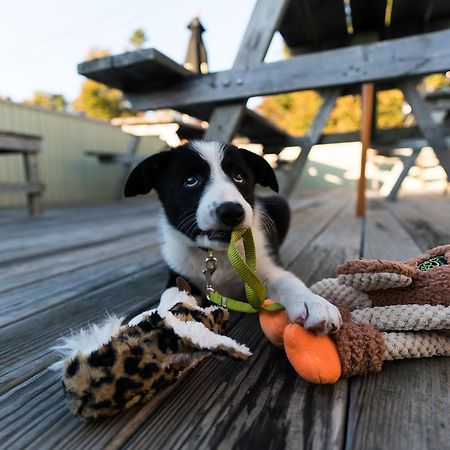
(295, 111)
(138, 38)
(389, 109)
(97, 100)
(95, 53)
(437, 81)
(56, 102)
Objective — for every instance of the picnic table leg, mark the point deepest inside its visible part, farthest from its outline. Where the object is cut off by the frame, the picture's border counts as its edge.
(432, 131)
(312, 137)
(32, 177)
(368, 92)
(264, 21)
(408, 162)
(224, 122)
(126, 166)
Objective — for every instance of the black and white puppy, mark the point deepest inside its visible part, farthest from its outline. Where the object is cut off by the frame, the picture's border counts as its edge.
(207, 189)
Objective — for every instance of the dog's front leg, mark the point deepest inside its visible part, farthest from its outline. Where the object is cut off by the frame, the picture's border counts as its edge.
(302, 306)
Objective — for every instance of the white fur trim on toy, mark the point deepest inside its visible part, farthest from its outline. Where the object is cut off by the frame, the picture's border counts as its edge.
(86, 340)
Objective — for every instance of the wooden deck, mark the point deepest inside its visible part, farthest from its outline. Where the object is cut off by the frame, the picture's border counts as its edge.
(70, 266)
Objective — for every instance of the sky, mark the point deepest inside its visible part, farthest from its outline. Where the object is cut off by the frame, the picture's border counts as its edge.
(42, 41)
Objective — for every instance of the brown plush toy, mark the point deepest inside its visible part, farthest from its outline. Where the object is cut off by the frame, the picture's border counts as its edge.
(390, 310)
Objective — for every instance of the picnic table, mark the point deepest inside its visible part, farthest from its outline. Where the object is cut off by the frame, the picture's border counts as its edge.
(335, 49)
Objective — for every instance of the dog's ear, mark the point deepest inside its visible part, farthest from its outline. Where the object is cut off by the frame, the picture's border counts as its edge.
(144, 177)
(264, 174)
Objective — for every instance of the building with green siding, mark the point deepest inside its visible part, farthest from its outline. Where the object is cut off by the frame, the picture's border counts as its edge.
(69, 175)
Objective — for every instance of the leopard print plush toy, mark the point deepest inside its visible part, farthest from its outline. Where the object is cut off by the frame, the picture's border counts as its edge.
(111, 367)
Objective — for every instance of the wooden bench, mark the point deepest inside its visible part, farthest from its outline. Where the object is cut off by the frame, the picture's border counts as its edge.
(28, 146)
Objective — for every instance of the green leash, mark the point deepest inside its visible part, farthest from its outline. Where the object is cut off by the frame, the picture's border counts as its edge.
(254, 289)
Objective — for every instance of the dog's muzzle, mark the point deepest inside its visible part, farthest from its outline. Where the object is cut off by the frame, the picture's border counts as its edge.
(230, 214)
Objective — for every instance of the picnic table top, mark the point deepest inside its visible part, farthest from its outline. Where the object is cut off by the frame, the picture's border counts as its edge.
(148, 69)
(69, 267)
(151, 80)
(317, 25)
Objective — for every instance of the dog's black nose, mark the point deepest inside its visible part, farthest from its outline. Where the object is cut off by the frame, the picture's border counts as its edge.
(230, 213)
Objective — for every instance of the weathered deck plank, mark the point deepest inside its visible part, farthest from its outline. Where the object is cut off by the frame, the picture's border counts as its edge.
(28, 359)
(36, 297)
(428, 222)
(385, 237)
(31, 271)
(16, 221)
(309, 220)
(222, 404)
(70, 238)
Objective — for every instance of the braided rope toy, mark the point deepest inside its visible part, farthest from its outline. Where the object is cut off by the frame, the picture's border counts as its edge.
(390, 310)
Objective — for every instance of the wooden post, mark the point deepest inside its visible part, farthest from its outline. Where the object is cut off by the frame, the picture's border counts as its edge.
(264, 21)
(125, 169)
(366, 137)
(34, 187)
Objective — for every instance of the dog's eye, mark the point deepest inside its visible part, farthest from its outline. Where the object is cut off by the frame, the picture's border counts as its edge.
(238, 177)
(191, 181)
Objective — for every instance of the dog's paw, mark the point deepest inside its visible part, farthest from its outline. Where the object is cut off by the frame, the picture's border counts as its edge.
(315, 314)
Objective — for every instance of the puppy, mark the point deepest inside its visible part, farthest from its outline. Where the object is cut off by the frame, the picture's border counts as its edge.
(206, 190)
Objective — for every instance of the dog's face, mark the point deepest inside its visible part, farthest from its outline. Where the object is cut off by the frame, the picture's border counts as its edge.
(206, 188)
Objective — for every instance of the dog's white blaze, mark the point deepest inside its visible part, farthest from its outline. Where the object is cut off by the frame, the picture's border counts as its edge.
(219, 188)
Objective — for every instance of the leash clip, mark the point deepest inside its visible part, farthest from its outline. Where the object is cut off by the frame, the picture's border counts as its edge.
(210, 268)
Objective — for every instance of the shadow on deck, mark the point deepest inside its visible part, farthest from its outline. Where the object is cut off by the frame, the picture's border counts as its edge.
(67, 268)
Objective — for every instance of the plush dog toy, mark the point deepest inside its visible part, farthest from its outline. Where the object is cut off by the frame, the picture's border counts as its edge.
(390, 310)
(114, 366)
